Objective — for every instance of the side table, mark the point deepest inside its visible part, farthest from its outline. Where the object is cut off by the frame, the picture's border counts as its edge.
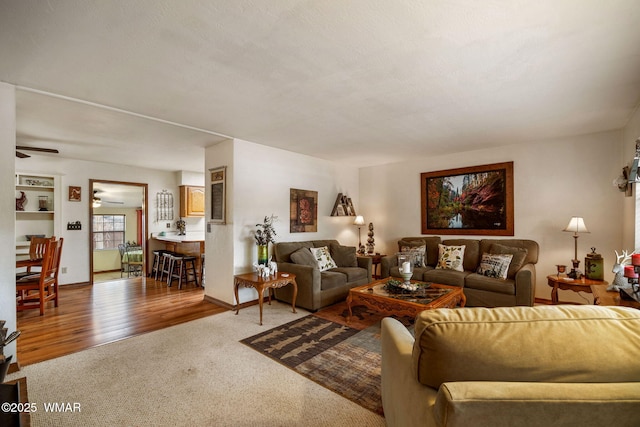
(376, 260)
(603, 297)
(259, 283)
(567, 284)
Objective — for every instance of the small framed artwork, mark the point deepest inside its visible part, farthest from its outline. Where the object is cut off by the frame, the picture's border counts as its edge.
(218, 195)
(75, 194)
(303, 209)
(475, 200)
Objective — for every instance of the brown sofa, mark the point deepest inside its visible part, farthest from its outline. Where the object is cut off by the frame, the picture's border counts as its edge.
(482, 291)
(513, 366)
(318, 289)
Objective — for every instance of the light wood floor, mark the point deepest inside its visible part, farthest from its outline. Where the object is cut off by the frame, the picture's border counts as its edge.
(88, 316)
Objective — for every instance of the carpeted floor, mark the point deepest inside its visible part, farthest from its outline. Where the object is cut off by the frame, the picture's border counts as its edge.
(193, 374)
(344, 357)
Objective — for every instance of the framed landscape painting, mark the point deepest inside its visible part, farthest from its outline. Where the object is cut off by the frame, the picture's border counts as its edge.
(474, 200)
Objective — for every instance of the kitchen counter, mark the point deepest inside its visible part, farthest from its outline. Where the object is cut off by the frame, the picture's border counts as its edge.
(188, 238)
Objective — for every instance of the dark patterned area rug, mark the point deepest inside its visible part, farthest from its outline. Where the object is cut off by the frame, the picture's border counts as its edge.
(344, 357)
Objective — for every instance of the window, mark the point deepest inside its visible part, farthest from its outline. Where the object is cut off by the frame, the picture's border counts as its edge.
(108, 231)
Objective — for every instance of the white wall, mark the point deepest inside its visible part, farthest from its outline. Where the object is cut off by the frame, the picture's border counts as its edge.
(76, 251)
(7, 212)
(553, 180)
(109, 259)
(261, 180)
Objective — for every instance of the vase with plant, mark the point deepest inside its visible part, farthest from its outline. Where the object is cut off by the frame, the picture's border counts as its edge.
(264, 235)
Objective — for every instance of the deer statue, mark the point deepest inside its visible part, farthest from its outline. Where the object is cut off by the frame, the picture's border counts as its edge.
(619, 280)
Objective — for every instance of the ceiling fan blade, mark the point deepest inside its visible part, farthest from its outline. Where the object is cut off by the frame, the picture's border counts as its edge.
(22, 155)
(42, 150)
(115, 203)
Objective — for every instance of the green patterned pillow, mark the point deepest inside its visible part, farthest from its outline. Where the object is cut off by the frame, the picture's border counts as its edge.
(450, 257)
(323, 258)
(495, 265)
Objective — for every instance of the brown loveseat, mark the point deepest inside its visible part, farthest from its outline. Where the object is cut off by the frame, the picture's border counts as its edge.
(517, 289)
(513, 366)
(318, 289)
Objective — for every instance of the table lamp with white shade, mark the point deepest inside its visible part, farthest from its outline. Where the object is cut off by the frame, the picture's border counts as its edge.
(359, 221)
(576, 225)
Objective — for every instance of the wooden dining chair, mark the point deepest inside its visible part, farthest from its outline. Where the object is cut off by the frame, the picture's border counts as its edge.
(37, 247)
(35, 290)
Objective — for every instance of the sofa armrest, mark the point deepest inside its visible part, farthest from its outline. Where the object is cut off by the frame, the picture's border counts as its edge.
(385, 265)
(497, 404)
(308, 281)
(366, 263)
(405, 401)
(526, 285)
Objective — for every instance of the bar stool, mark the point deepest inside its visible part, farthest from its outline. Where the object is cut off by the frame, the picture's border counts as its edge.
(158, 259)
(166, 266)
(181, 264)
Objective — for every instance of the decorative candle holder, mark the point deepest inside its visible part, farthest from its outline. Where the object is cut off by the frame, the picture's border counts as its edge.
(561, 269)
(405, 265)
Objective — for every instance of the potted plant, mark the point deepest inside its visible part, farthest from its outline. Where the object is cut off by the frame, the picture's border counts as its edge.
(264, 235)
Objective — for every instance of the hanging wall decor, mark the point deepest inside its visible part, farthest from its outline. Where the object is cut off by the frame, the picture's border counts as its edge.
(218, 195)
(164, 202)
(343, 206)
(303, 207)
(472, 200)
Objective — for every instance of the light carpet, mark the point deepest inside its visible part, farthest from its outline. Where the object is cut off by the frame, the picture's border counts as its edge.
(193, 374)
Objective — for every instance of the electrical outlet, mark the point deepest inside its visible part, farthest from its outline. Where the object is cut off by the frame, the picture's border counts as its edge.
(168, 225)
(64, 270)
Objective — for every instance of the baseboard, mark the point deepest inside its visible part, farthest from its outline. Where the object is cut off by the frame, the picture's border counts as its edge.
(228, 306)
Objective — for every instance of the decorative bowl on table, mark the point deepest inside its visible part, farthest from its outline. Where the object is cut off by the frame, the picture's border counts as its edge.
(398, 287)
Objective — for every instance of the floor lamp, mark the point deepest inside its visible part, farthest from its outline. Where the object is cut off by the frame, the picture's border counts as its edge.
(359, 221)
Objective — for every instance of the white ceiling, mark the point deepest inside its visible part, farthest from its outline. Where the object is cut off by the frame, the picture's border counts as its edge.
(360, 81)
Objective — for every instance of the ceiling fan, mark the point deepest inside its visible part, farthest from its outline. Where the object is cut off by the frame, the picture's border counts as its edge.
(97, 201)
(39, 149)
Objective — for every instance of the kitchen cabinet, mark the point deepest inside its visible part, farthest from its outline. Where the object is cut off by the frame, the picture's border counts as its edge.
(191, 201)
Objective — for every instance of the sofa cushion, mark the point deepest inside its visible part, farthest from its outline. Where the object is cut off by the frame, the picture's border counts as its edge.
(445, 277)
(331, 279)
(344, 256)
(431, 243)
(530, 245)
(418, 254)
(471, 251)
(323, 258)
(283, 250)
(572, 343)
(353, 273)
(303, 256)
(450, 257)
(418, 272)
(483, 283)
(517, 261)
(495, 265)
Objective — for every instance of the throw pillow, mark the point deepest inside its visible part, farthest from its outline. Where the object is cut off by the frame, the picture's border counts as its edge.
(519, 254)
(411, 243)
(323, 258)
(344, 256)
(419, 254)
(450, 257)
(303, 256)
(494, 265)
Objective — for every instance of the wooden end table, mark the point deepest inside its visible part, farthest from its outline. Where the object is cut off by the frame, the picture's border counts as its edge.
(375, 297)
(252, 280)
(376, 259)
(603, 297)
(567, 284)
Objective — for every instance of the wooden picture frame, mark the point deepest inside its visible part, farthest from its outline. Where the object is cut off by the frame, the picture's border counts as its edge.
(303, 211)
(218, 195)
(75, 194)
(475, 200)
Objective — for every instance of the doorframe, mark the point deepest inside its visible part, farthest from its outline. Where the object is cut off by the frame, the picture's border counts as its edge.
(145, 220)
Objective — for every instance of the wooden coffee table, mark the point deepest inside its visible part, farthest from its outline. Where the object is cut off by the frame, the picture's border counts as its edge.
(375, 297)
